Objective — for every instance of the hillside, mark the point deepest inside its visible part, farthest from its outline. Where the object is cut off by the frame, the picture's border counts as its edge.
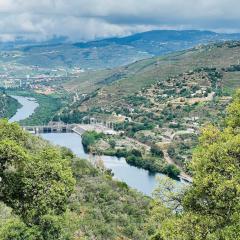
(64, 197)
(47, 193)
(165, 100)
(108, 53)
(132, 78)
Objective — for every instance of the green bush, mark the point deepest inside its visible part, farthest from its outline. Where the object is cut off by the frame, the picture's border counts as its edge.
(171, 170)
(17, 230)
(89, 138)
(156, 151)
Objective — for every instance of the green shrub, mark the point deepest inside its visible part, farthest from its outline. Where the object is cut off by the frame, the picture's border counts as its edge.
(171, 170)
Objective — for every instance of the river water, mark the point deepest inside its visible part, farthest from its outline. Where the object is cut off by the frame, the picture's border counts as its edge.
(28, 107)
(137, 178)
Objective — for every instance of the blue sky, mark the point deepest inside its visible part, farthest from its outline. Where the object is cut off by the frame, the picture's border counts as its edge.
(91, 19)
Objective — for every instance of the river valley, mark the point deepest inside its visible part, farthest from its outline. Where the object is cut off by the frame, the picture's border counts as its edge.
(137, 178)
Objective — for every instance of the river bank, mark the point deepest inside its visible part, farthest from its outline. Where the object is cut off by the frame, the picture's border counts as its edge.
(137, 178)
(42, 113)
(136, 154)
(26, 109)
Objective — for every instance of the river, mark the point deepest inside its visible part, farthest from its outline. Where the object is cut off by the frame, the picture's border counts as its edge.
(28, 107)
(137, 178)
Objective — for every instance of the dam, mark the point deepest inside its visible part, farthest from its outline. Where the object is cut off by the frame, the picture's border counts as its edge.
(60, 127)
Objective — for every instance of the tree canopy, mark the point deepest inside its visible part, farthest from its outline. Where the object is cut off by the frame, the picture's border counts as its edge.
(35, 184)
(210, 207)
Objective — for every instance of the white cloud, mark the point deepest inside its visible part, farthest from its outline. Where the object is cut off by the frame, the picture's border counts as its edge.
(90, 19)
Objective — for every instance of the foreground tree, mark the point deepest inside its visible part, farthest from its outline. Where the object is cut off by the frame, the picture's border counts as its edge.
(210, 207)
(36, 185)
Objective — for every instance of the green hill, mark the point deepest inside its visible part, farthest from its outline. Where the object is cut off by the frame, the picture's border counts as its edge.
(129, 80)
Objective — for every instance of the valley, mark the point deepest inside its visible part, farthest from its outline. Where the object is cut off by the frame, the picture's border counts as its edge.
(160, 102)
(119, 120)
(164, 101)
(143, 181)
(154, 110)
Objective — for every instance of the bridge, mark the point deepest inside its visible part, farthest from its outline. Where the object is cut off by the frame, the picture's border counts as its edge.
(59, 127)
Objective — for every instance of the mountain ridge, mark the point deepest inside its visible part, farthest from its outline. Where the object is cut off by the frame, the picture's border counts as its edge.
(114, 52)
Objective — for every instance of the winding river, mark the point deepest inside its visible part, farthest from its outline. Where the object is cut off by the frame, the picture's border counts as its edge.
(137, 178)
(28, 107)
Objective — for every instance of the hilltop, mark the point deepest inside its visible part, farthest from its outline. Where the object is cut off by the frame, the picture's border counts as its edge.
(160, 42)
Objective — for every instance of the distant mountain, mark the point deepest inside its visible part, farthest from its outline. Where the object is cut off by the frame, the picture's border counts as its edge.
(159, 42)
(112, 52)
(19, 43)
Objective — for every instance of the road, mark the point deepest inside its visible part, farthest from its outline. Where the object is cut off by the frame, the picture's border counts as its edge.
(169, 160)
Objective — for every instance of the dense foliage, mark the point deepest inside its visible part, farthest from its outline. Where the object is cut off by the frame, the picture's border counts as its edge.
(38, 200)
(103, 208)
(210, 207)
(8, 106)
(35, 183)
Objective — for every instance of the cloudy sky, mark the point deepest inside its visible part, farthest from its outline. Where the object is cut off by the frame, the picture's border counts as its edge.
(92, 19)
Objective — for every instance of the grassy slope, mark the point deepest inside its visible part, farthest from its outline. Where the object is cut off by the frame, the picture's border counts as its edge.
(87, 81)
(144, 73)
